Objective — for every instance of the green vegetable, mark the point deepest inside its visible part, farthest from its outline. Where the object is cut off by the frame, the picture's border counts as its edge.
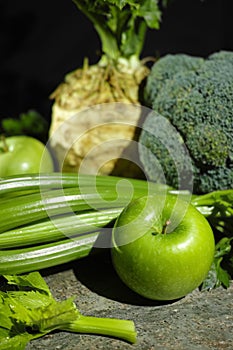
(121, 25)
(57, 218)
(217, 207)
(164, 70)
(29, 311)
(58, 228)
(40, 182)
(41, 256)
(195, 141)
(34, 207)
(30, 123)
(116, 77)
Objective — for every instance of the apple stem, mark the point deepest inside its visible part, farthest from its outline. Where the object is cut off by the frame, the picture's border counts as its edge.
(164, 230)
(5, 147)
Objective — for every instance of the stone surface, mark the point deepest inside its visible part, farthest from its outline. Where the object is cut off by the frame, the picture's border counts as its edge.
(201, 320)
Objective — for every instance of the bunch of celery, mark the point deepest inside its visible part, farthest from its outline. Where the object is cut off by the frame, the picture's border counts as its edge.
(51, 219)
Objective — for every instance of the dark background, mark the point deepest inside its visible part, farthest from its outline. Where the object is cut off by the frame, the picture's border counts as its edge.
(41, 41)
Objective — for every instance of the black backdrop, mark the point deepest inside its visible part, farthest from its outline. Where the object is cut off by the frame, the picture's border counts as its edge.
(41, 41)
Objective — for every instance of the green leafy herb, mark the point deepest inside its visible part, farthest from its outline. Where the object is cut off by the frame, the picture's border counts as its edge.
(218, 276)
(218, 208)
(29, 311)
(121, 24)
(30, 123)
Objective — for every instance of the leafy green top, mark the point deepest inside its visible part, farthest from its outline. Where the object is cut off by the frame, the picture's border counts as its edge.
(29, 311)
(121, 24)
(217, 207)
(30, 123)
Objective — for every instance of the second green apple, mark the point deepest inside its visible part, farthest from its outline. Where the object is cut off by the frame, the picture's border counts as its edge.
(24, 155)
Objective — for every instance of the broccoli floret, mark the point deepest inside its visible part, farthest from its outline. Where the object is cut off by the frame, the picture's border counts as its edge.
(208, 145)
(159, 140)
(222, 55)
(212, 178)
(165, 69)
(199, 104)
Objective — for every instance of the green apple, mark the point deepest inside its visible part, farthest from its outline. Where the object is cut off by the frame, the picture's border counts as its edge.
(163, 247)
(23, 155)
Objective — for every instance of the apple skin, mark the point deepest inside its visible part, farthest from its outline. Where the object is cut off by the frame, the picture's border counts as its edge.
(24, 155)
(159, 261)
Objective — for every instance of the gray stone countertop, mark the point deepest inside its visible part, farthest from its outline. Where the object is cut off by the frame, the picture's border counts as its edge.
(201, 320)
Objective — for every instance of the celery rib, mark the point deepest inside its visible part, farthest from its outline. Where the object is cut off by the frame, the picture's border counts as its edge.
(59, 228)
(31, 208)
(123, 329)
(24, 260)
(39, 182)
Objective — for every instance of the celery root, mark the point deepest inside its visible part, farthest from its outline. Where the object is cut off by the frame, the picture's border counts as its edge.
(115, 78)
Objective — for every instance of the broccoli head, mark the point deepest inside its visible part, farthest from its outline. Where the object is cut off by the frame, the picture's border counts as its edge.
(198, 103)
(165, 69)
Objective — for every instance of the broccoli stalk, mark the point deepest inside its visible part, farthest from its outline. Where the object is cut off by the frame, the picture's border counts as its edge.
(116, 77)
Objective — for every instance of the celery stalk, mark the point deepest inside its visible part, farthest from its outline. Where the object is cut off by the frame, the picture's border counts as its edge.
(122, 329)
(71, 226)
(24, 260)
(40, 182)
